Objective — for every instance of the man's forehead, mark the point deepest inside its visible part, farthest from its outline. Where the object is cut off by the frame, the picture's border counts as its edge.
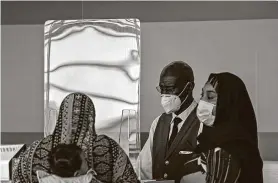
(168, 80)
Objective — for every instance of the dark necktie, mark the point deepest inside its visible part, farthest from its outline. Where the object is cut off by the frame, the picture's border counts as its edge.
(174, 131)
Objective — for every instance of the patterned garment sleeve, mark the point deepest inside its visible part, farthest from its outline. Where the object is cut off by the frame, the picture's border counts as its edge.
(19, 168)
(15, 169)
(22, 170)
(123, 171)
(222, 167)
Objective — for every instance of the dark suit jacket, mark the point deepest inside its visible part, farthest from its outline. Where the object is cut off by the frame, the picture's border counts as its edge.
(168, 163)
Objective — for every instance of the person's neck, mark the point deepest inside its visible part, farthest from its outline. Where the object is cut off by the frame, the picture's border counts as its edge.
(185, 105)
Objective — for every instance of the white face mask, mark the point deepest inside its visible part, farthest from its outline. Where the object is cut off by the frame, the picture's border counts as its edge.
(172, 103)
(204, 113)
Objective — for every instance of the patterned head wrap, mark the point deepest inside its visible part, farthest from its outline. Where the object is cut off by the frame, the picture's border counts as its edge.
(76, 117)
(76, 124)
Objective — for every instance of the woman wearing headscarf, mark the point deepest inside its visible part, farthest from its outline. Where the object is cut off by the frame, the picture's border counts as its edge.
(76, 125)
(229, 132)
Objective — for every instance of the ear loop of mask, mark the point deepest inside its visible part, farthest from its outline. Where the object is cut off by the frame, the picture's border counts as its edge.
(182, 92)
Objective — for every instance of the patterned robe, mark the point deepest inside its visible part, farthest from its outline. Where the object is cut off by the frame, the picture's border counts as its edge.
(76, 124)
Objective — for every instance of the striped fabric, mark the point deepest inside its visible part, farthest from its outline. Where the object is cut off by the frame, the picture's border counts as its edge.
(202, 158)
(221, 167)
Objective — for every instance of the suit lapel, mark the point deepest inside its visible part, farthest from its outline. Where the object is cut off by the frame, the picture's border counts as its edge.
(182, 133)
(165, 130)
(163, 139)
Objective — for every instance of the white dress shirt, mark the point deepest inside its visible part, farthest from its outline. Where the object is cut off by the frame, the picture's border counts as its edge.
(144, 162)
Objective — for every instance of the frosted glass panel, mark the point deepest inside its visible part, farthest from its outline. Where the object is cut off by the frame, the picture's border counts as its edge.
(100, 58)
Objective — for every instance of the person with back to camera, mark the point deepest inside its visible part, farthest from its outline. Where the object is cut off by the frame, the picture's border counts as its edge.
(76, 125)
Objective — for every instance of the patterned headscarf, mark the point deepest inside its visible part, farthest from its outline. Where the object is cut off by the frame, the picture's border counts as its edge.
(76, 124)
(76, 116)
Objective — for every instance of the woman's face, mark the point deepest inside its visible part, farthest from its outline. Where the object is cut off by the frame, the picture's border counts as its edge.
(209, 95)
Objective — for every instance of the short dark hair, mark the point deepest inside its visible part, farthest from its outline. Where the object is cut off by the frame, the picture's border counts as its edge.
(180, 69)
(65, 159)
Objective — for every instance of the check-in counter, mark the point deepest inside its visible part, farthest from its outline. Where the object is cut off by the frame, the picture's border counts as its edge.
(9, 154)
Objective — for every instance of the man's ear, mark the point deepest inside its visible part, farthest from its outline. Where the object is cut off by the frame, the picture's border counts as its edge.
(192, 85)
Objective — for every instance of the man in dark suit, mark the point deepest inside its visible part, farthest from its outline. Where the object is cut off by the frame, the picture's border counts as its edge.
(167, 154)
